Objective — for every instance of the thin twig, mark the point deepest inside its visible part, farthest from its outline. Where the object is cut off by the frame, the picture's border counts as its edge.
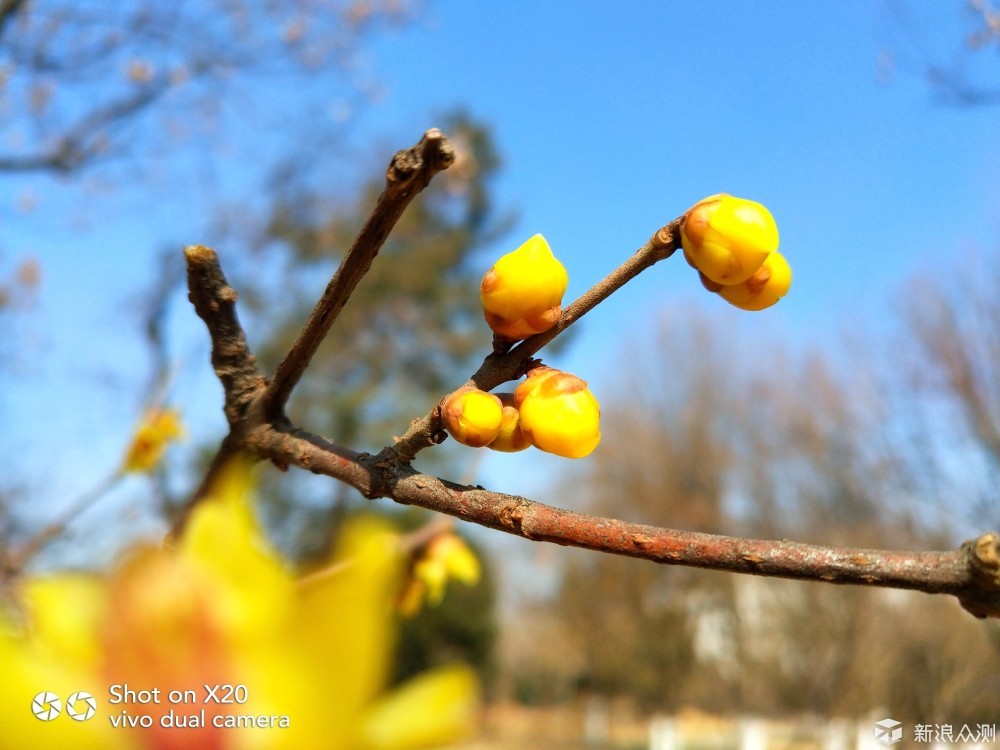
(501, 367)
(16, 560)
(409, 172)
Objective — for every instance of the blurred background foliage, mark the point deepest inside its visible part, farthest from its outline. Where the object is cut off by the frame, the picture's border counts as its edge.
(712, 429)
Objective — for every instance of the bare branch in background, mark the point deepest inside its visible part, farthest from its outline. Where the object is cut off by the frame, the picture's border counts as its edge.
(77, 80)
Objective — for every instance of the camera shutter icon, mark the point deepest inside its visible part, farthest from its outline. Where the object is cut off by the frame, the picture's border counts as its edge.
(81, 706)
(46, 706)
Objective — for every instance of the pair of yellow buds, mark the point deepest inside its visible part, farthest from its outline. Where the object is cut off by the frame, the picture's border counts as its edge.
(733, 243)
(551, 410)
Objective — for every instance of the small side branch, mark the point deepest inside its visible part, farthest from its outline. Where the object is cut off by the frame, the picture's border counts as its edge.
(502, 367)
(409, 172)
(13, 563)
(215, 302)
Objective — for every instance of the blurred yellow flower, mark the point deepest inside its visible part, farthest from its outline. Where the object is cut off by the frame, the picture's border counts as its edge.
(728, 238)
(158, 429)
(446, 557)
(768, 284)
(558, 413)
(522, 293)
(472, 417)
(231, 650)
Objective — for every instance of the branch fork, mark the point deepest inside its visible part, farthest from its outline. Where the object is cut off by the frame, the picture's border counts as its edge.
(254, 408)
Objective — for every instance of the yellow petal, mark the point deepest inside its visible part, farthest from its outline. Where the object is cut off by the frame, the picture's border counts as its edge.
(432, 709)
(434, 574)
(65, 612)
(460, 562)
(254, 586)
(346, 622)
(53, 659)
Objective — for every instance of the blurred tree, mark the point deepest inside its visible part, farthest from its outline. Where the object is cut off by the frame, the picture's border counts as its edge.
(665, 460)
(18, 287)
(949, 360)
(957, 68)
(774, 447)
(953, 81)
(80, 81)
(158, 94)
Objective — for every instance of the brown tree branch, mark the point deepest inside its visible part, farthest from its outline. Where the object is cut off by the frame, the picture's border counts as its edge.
(409, 172)
(971, 573)
(215, 302)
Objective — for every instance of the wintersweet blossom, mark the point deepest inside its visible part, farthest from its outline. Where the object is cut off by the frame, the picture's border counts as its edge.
(472, 417)
(310, 658)
(558, 413)
(728, 238)
(158, 429)
(446, 557)
(522, 293)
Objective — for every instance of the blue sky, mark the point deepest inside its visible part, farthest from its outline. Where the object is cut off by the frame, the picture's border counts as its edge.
(612, 119)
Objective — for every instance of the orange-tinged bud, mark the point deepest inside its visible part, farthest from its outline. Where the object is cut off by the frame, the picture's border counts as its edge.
(769, 284)
(510, 439)
(728, 238)
(558, 413)
(472, 417)
(522, 293)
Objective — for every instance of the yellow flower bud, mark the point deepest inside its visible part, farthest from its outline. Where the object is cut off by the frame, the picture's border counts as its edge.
(522, 293)
(558, 413)
(764, 288)
(472, 417)
(728, 238)
(510, 439)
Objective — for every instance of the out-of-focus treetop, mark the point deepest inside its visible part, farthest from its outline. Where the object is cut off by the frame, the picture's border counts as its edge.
(78, 80)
